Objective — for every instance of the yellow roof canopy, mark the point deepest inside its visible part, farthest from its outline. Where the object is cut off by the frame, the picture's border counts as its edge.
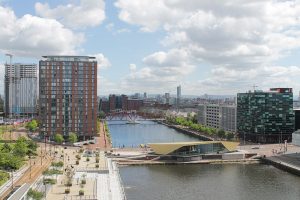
(166, 148)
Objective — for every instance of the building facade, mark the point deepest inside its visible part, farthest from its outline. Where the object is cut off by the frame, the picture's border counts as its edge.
(120, 102)
(266, 117)
(68, 96)
(20, 90)
(178, 95)
(218, 116)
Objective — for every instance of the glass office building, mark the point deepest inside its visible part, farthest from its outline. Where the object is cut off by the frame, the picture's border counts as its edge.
(265, 117)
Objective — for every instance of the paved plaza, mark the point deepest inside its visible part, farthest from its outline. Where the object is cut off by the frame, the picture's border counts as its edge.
(102, 183)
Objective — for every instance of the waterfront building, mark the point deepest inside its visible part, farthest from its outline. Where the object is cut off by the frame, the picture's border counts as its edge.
(122, 102)
(68, 96)
(266, 117)
(20, 90)
(297, 119)
(218, 116)
(296, 138)
(189, 151)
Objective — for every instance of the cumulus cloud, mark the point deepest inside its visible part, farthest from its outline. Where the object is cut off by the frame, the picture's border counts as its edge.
(161, 71)
(102, 61)
(105, 86)
(132, 67)
(35, 36)
(88, 13)
(237, 38)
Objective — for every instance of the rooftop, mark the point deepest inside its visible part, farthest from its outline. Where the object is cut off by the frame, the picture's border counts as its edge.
(68, 58)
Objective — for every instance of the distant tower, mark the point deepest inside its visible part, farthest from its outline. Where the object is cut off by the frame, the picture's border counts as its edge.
(145, 95)
(178, 94)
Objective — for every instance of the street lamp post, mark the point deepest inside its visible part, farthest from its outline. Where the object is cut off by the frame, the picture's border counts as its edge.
(12, 179)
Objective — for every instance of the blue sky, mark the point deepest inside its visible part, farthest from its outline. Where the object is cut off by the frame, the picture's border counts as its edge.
(206, 46)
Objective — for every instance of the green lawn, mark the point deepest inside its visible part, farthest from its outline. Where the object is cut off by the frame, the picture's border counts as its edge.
(4, 176)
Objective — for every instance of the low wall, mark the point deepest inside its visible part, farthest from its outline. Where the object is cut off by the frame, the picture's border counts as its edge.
(282, 166)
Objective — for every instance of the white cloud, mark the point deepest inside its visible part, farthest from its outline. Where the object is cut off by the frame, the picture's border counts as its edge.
(132, 67)
(35, 36)
(110, 26)
(102, 61)
(241, 39)
(88, 13)
(105, 86)
(161, 71)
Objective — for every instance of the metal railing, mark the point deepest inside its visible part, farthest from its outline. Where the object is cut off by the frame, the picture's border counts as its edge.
(83, 197)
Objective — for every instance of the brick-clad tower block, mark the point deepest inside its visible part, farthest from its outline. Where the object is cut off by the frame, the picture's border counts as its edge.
(68, 96)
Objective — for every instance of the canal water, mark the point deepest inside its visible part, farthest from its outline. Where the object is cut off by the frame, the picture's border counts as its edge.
(196, 182)
(132, 135)
(209, 182)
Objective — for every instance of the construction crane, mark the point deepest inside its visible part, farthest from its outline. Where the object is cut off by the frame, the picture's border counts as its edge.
(254, 87)
(10, 104)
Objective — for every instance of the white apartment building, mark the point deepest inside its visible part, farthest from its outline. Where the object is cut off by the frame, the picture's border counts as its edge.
(20, 89)
(218, 116)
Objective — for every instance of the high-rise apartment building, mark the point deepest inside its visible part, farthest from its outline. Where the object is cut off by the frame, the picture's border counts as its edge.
(266, 116)
(178, 95)
(68, 96)
(218, 116)
(20, 90)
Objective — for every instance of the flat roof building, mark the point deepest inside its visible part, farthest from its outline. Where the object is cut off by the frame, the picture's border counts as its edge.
(266, 117)
(218, 116)
(68, 96)
(20, 90)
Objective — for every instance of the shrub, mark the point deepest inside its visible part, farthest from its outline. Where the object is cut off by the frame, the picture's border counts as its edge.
(83, 181)
(68, 184)
(81, 192)
(77, 162)
(81, 150)
(78, 157)
(34, 194)
(57, 164)
(97, 165)
(97, 160)
(49, 181)
(87, 159)
(67, 191)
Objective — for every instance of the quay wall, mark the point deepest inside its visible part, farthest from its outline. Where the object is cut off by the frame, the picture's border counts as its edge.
(188, 132)
(282, 165)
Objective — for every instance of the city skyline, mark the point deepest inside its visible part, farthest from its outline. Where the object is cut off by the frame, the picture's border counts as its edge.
(237, 45)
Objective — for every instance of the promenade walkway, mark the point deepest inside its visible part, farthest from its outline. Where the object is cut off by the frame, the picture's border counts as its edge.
(102, 183)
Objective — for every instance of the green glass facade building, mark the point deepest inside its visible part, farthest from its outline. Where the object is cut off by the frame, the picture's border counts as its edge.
(266, 117)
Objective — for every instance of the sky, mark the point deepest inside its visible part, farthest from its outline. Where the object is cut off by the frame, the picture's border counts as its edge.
(207, 47)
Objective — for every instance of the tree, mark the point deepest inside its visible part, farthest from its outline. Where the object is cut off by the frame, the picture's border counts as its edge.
(7, 161)
(229, 135)
(21, 147)
(72, 137)
(32, 126)
(31, 145)
(58, 138)
(101, 114)
(6, 148)
(221, 133)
